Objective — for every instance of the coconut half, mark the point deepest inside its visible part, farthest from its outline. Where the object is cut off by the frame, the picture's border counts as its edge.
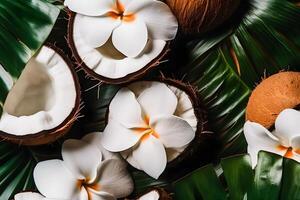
(123, 42)
(44, 101)
(273, 95)
(154, 119)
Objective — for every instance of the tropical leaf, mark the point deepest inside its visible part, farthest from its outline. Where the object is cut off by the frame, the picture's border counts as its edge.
(265, 39)
(273, 178)
(15, 170)
(25, 25)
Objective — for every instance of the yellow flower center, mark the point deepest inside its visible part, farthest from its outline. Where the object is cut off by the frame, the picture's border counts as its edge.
(289, 151)
(148, 131)
(118, 13)
(88, 186)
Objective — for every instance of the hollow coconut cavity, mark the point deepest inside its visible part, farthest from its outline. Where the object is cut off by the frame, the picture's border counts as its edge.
(106, 63)
(187, 113)
(273, 95)
(44, 101)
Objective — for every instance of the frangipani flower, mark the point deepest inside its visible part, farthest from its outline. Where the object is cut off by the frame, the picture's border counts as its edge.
(284, 140)
(130, 23)
(83, 174)
(143, 126)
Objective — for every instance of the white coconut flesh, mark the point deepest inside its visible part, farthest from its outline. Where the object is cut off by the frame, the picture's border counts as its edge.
(42, 98)
(106, 60)
(184, 110)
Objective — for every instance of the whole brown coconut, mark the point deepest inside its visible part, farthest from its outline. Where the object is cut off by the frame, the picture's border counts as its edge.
(199, 16)
(273, 95)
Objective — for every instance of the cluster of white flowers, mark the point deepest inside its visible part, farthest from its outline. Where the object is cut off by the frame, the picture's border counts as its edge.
(149, 124)
(144, 125)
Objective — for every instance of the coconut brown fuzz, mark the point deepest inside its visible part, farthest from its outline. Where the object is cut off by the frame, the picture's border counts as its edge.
(273, 95)
(128, 78)
(199, 16)
(48, 136)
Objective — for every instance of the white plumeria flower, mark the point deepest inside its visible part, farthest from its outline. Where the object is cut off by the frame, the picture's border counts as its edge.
(83, 174)
(130, 23)
(284, 140)
(144, 126)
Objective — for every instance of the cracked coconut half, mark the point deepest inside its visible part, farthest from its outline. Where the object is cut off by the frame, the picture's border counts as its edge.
(117, 41)
(152, 124)
(44, 101)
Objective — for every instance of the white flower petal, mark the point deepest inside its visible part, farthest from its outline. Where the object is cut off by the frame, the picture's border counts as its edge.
(287, 125)
(296, 157)
(158, 100)
(151, 156)
(130, 38)
(295, 143)
(84, 195)
(29, 196)
(160, 21)
(125, 2)
(153, 195)
(96, 31)
(90, 7)
(95, 139)
(54, 180)
(116, 137)
(260, 139)
(81, 158)
(115, 179)
(125, 109)
(127, 155)
(173, 131)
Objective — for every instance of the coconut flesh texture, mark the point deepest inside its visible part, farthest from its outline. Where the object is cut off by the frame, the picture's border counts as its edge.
(106, 60)
(184, 110)
(42, 98)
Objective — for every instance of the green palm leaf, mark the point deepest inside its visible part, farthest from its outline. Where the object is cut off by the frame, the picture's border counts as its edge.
(273, 178)
(265, 41)
(15, 170)
(25, 25)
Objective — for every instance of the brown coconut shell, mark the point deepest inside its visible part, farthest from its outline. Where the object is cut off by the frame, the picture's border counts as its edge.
(273, 95)
(128, 78)
(200, 16)
(202, 132)
(48, 136)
